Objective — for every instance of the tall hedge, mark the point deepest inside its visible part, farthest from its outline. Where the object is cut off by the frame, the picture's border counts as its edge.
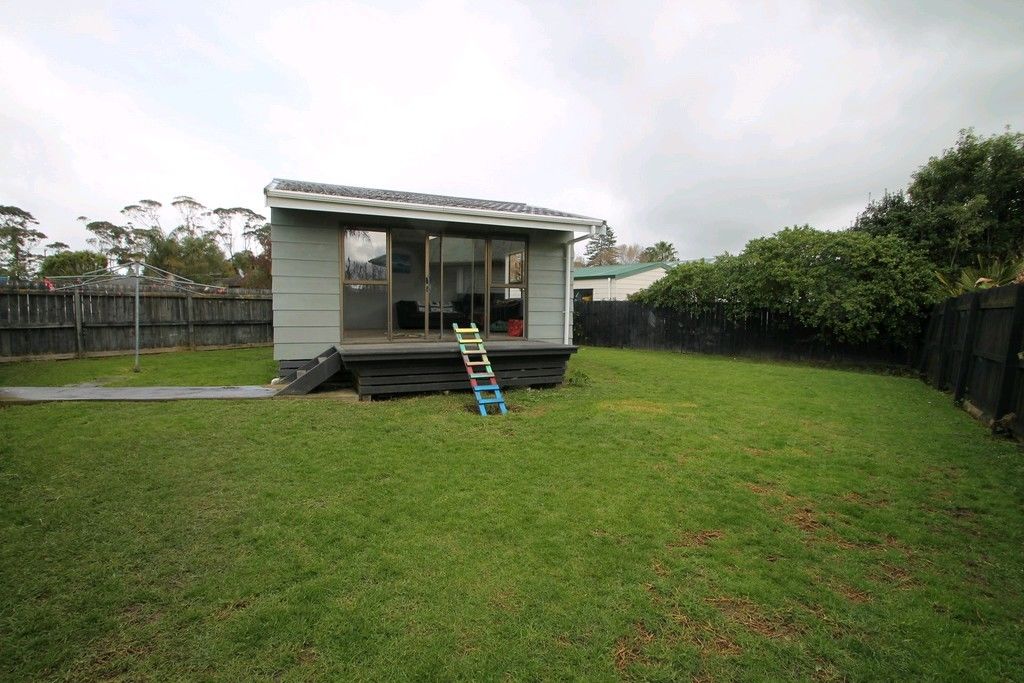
(849, 286)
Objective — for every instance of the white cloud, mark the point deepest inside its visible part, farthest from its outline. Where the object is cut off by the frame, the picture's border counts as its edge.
(77, 144)
(702, 123)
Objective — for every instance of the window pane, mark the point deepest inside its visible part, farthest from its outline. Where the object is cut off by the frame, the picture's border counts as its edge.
(464, 284)
(365, 312)
(366, 255)
(506, 312)
(508, 262)
(408, 283)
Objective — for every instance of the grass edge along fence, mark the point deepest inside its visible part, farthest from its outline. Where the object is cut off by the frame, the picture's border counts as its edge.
(41, 324)
(764, 334)
(974, 348)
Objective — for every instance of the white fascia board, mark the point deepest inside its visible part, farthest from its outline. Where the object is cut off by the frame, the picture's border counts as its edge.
(283, 199)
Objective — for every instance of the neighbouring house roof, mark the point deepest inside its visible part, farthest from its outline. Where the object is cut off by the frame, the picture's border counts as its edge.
(395, 202)
(622, 270)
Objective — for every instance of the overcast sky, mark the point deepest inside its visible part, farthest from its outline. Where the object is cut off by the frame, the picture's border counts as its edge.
(704, 124)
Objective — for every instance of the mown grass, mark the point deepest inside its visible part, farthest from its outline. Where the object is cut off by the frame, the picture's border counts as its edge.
(663, 517)
(202, 368)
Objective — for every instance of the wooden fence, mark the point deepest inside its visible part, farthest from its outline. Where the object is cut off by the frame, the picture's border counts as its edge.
(766, 334)
(68, 324)
(974, 347)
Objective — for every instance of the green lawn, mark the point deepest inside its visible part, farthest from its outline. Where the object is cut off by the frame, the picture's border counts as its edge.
(662, 517)
(203, 368)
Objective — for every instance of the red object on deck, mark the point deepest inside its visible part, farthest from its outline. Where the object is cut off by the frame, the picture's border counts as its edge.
(515, 327)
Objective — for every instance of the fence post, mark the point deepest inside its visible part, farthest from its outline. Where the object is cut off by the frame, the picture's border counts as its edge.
(191, 324)
(967, 352)
(1004, 404)
(79, 342)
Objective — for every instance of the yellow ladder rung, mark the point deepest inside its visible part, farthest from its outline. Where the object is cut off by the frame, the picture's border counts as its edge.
(467, 330)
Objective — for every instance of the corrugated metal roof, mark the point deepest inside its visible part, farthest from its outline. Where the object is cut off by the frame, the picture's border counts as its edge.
(353, 192)
(621, 270)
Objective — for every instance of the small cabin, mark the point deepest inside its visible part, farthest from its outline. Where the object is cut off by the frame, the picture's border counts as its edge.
(378, 277)
(616, 283)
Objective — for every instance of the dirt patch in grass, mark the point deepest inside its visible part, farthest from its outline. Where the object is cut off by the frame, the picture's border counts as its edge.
(852, 594)
(704, 636)
(138, 613)
(750, 616)
(769, 490)
(804, 519)
(696, 539)
(660, 569)
(230, 609)
(505, 600)
(894, 575)
(756, 452)
(306, 655)
(961, 512)
(629, 649)
(860, 499)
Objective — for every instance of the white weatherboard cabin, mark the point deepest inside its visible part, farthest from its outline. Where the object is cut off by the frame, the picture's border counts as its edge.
(616, 283)
(367, 284)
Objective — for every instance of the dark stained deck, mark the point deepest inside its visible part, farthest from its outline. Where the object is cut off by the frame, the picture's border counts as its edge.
(388, 369)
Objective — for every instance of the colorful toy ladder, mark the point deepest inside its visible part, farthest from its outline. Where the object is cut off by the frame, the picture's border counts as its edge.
(481, 375)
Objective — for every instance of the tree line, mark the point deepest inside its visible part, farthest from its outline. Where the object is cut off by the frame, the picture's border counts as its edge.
(223, 246)
(958, 226)
(604, 250)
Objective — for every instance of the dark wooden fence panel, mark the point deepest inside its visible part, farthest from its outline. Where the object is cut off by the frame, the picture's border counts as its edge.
(975, 348)
(764, 334)
(39, 323)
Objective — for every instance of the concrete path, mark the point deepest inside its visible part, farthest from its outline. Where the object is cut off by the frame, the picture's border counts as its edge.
(86, 393)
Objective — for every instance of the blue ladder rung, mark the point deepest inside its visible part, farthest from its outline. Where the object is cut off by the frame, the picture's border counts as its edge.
(488, 387)
(485, 401)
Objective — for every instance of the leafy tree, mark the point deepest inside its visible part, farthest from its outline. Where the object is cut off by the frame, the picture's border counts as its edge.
(196, 257)
(144, 216)
(225, 221)
(17, 239)
(57, 247)
(848, 286)
(659, 252)
(630, 253)
(191, 214)
(256, 268)
(966, 203)
(72, 263)
(119, 243)
(602, 250)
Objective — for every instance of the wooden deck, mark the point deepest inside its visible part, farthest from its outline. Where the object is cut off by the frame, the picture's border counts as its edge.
(387, 369)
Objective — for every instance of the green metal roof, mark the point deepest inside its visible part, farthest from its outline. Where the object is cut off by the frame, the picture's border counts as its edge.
(623, 270)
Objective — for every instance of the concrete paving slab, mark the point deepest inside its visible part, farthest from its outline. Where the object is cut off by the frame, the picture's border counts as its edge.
(86, 393)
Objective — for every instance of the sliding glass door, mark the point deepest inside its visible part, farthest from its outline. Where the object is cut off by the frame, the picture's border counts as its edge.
(463, 283)
(507, 303)
(406, 284)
